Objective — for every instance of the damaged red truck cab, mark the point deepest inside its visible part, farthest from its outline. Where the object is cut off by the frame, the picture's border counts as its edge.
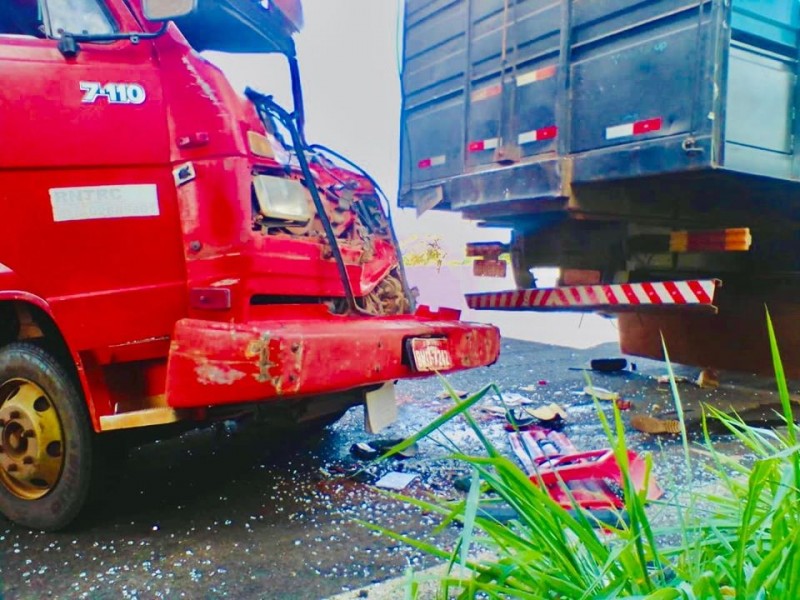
(172, 253)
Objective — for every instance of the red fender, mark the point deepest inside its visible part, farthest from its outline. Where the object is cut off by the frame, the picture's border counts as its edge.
(12, 288)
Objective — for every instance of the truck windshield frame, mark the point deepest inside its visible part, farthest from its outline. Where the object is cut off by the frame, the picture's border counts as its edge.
(237, 27)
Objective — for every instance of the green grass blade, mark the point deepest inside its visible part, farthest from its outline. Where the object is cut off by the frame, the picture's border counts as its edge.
(470, 512)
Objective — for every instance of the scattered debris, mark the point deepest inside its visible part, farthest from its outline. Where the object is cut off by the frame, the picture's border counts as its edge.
(623, 404)
(593, 480)
(384, 445)
(608, 365)
(654, 425)
(535, 445)
(394, 480)
(513, 399)
(462, 484)
(363, 451)
(551, 413)
(375, 448)
(508, 401)
(600, 393)
(446, 395)
(664, 379)
(497, 411)
(551, 416)
(708, 379)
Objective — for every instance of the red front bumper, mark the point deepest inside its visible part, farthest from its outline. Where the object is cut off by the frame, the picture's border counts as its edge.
(214, 363)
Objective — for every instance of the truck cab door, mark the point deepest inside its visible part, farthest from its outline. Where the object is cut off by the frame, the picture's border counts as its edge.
(86, 152)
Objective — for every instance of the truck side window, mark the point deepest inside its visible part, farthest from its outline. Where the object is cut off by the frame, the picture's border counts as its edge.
(20, 17)
(84, 17)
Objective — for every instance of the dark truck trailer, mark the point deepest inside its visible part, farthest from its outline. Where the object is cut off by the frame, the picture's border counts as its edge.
(647, 144)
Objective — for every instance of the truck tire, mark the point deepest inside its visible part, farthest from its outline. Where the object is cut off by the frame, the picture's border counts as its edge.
(520, 267)
(46, 440)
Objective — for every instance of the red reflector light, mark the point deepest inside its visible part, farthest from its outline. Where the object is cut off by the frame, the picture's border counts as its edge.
(547, 133)
(647, 126)
(210, 298)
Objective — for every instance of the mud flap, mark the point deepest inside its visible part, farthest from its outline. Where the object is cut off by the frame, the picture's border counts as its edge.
(380, 408)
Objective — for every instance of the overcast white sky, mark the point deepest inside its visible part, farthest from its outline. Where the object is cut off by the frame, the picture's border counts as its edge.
(348, 54)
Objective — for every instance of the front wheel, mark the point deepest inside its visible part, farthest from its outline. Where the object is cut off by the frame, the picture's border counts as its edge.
(45, 440)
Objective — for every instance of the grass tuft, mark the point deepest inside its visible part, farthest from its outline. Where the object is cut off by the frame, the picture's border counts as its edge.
(737, 539)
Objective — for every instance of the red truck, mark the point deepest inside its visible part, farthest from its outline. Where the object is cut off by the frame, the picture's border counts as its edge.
(174, 254)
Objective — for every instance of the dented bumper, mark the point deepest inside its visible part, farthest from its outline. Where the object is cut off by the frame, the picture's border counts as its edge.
(213, 363)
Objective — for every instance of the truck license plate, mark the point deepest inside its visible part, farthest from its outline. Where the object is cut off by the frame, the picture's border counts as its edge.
(430, 354)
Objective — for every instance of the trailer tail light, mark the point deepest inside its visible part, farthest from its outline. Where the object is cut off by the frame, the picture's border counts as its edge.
(723, 240)
(210, 298)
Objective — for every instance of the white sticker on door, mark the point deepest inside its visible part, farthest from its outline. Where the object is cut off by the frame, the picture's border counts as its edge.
(104, 202)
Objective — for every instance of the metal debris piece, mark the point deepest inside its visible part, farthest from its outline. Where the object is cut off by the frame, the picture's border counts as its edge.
(363, 451)
(551, 416)
(533, 387)
(395, 480)
(664, 379)
(385, 445)
(375, 448)
(708, 379)
(654, 425)
(623, 404)
(536, 445)
(446, 395)
(608, 365)
(514, 399)
(601, 393)
(497, 411)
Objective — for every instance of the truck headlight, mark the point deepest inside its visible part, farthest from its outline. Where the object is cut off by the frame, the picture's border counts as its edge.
(282, 199)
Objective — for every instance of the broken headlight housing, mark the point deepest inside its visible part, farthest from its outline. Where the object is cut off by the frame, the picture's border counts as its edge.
(282, 199)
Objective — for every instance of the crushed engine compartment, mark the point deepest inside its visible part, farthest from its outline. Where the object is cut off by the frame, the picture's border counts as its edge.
(360, 223)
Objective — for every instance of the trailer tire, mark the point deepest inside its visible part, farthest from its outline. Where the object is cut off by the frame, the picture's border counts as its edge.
(520, 267)
(47, 443)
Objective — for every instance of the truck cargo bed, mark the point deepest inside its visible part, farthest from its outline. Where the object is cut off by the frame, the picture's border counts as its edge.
(519, 106)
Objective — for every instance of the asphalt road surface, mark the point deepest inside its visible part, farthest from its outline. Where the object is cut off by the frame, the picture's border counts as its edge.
(219, 513)
(236, 513)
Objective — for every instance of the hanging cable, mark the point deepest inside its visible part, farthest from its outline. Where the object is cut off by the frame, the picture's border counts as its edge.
(388, 209)
(267, 104)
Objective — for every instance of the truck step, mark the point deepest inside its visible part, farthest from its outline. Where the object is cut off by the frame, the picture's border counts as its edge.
(139, 418)
(622, 297)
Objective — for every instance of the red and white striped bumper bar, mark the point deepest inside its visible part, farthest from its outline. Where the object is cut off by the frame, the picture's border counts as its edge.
(622, 297)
